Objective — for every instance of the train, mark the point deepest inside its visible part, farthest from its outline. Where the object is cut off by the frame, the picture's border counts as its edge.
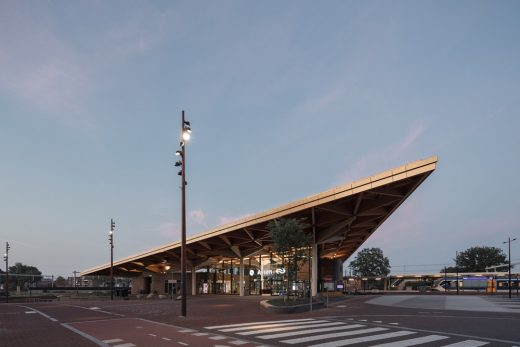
(489, 284)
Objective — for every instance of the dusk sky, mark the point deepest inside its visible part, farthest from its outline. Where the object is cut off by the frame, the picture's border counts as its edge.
(285, 98)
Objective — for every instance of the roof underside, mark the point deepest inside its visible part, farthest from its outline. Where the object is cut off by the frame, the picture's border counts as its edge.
(342, 219)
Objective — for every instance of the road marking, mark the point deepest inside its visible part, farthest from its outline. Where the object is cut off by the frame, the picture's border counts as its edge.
(218, 337)
(187, 331)
(29, 312)
(363, 320)
(341, 306)
(305, 332)
(277, 325)
(166, 339)
(87, 336)
(468, 343)
(238, 342)
(329, 336)
(40, 312)
(272, 330)
(153, 335)
(125, 345)
(97, 309)
(413, 342)
(200, 334)
(255, 323)
(465, 336)
(364, 339)
(138, 327)
(183, 343)
(113, 341)
(377, 321)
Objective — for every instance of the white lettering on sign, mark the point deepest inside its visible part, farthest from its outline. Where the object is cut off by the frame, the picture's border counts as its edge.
(279, 271)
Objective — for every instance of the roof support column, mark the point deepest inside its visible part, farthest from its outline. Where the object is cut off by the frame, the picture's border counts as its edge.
(314, 269)
(241, 276)
(314, 258)
(193, 280)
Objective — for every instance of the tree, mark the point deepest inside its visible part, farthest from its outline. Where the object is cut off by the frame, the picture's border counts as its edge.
(476, 259)
(291, 242)
(370, 262)
(60, 282)
(25, 270)
(450, 269)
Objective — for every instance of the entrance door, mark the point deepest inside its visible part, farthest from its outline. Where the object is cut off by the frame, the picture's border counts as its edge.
(147, 285)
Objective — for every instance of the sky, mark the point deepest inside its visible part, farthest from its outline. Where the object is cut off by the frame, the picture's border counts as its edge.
(286, 99)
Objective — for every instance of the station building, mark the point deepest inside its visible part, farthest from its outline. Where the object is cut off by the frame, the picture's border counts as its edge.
(238, 257)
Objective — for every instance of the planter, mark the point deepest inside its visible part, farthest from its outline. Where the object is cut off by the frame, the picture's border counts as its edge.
(290, 308)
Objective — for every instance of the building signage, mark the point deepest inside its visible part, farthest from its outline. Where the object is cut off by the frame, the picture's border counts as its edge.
(279, 271)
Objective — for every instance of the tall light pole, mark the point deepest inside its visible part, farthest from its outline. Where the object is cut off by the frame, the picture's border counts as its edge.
(111, 239)
(75, 281)
(6, 259)
(509, 240)
(457, 269)
(185, 136)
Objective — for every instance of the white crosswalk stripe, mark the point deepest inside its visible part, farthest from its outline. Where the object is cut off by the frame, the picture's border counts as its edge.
(369, 338)
(330, 336)
(273, 330)
(306, 332)
(272, 325)
(331, 333)
(413, 342)
(468, 343)
(257, 323)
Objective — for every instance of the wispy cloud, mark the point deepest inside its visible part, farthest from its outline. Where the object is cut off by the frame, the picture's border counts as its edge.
(42, 67)
(168, 230)
(39, 67)
(412, 136)
(225, 220)
(374, 161)
(198, 217)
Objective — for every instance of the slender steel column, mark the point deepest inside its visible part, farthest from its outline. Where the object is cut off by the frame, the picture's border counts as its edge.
(457, 269)
(509, 256)
(111, 240)
(6, 259)
(183, 219)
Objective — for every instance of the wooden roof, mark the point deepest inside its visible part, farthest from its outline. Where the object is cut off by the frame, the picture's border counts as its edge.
(343, 218)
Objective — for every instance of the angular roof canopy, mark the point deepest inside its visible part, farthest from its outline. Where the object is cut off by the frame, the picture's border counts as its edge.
(343, 217)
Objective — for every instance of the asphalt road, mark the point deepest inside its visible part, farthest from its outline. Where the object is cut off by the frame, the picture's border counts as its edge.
(240, 321)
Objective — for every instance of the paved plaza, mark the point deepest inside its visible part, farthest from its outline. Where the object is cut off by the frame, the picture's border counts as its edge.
(219, 321)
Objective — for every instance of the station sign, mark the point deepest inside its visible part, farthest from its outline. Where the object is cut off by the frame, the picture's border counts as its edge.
(279, 271)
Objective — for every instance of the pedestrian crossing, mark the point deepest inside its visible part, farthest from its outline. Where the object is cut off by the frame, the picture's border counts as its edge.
(316, 332)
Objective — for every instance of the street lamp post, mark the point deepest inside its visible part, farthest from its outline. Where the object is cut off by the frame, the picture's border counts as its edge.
(111, 239)
(185, 136)
(6, 259)
(457, 269)
(509, 240)
(75, 281)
